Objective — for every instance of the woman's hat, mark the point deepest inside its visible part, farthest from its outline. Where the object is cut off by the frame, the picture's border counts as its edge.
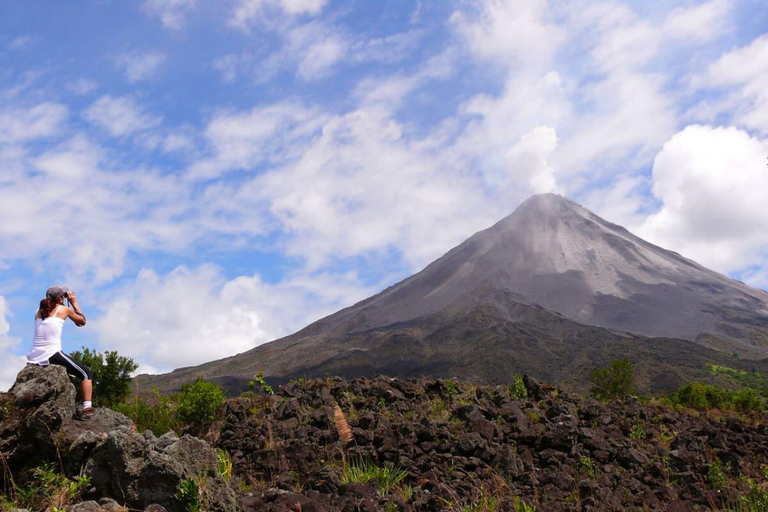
(56, 291)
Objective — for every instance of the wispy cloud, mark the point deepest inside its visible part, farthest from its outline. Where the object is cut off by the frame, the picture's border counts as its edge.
(137, 65)
(170, 12)
(120, 116)
(248, 11)
(19, 124)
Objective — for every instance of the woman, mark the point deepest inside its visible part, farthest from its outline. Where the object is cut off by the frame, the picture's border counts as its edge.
(46, 347)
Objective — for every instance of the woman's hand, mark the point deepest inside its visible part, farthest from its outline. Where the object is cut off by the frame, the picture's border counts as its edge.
(77, 315)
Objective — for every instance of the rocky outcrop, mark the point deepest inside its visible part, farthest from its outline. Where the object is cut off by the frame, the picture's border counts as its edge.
(136, 470)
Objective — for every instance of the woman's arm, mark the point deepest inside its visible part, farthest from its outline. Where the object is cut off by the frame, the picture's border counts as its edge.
(75, 313)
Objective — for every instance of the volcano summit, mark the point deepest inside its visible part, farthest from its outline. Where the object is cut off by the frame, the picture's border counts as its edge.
(550, 290)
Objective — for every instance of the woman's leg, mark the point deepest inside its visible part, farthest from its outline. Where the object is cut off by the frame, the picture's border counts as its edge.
(77, 370)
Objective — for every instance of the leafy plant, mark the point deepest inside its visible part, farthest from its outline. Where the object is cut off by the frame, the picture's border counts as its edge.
(49, 490)
(259, 383)
(586, 466)
(111, 375)
(613, 381)
(188, 493)
(716, 476)
(517, 389)
(521, 506)
(198, 403)
(637, 433)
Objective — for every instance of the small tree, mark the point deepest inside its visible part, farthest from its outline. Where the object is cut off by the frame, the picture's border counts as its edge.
(198, 403)
(111, 375)
(613, 381)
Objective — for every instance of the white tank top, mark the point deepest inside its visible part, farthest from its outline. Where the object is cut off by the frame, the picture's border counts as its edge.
(47, 338)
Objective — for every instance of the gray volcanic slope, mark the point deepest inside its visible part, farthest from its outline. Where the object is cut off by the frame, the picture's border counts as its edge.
(556, 253)
(552, 262)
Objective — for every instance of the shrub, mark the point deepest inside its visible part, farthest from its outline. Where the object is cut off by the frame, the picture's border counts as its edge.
(700, 396)
(157, 415)
(259, 383)
(613, 381)
(517, 389)
(111, 375)
(716, 476)
(198, 403)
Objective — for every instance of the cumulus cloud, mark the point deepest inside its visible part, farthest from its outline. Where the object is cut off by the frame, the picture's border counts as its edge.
(139, 65)
(12, 363)
(711, 184)
(363, 187)
(120, 116)
(170, 12)
(193, 315)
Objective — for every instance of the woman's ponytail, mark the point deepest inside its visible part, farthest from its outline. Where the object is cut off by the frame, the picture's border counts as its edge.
(46, 306)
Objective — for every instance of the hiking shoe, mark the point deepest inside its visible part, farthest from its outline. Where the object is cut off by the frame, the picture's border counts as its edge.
(84, 414)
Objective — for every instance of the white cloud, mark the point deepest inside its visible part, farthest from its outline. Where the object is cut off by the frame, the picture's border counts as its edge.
(699, 23)
(247, 11)
(19, 124)
(82, 86)
(389, 49)
(20, 42)
(229, 66)
(320, 57)
(12, 364)
(272, 133)
(743, 72)
(510, 32)
(116, 209)
(138, 65)
(170, 12)
(362, 187)
(190, 316)
(711, 183)
(119, 116)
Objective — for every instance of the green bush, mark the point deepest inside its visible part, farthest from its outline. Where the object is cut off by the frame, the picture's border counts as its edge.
(157, 414)
(700, 396)
(517, 389)
(111, 375)
(198, 403)
(613, 381)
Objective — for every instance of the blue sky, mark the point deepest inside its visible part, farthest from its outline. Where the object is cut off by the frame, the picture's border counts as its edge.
(209, 176)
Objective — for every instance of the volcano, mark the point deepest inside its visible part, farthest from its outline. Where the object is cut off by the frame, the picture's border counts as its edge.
(552, 290)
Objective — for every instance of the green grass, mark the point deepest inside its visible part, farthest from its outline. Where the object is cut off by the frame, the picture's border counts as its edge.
(364, 471)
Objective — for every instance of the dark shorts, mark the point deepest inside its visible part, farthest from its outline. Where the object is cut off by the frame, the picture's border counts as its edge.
(74, 368)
